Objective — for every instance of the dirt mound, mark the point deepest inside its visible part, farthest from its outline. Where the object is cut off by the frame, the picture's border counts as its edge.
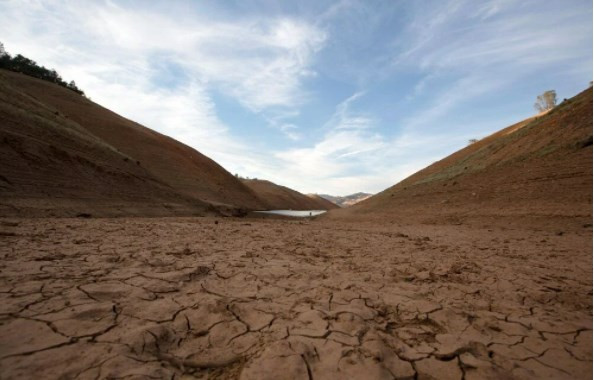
(276, 197)
(62, 153)
(540, 167)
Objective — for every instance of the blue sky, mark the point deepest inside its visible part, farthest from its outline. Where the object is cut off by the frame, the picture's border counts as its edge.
(321, 96)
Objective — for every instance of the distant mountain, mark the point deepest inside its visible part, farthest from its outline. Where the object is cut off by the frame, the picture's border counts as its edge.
(324, 203)
(277, 197)
(347, 200)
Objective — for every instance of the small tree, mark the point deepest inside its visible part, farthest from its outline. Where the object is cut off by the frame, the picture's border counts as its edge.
(472, 141)
(5, 58)
(546, 101)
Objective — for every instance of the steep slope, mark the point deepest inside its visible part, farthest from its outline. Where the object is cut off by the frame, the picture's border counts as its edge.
(276, 197)
(50, 165)
(540, 167)
(182, 168)
(60, 148)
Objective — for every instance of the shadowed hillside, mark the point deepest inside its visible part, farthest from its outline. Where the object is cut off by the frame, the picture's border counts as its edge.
(540, 167)
(63, 154)
(276, 197)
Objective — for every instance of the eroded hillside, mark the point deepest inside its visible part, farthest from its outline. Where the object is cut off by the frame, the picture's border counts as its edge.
(277, 197)
(540, 167)
(63, 154)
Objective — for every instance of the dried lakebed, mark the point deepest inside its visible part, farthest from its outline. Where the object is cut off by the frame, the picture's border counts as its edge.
(283, 299)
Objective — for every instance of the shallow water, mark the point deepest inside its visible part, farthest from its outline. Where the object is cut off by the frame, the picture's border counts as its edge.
(295, 213)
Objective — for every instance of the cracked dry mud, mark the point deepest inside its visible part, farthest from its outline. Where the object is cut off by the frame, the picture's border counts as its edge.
(277, 299)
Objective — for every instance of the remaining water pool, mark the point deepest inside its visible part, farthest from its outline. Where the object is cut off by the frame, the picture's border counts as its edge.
(295, 213)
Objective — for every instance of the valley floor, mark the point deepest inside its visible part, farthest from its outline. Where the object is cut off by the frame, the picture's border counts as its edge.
(283, 299)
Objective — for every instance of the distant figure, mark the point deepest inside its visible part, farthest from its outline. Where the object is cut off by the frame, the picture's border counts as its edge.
(310, 213)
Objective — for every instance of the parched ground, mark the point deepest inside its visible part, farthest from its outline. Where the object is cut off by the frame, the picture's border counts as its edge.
(278, 299)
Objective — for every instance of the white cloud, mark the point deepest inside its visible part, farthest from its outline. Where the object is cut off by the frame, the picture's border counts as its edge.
(115, 54)
(466, 35)
(467, 51)
(353, 155)
(278, 119)
(259, 62)
(290, 130)
(344, 118)
(161, 68)
(343, 162)
(444, 100)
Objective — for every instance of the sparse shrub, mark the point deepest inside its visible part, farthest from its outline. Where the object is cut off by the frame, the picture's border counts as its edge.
(546, 101)
(472, 141)
(24, 65)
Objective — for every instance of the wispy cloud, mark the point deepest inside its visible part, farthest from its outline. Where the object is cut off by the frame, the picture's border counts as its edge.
(345, 118)
(337, 154)
(467, 53)
(259, 62)
(280, 119)
(160, 69)
(216, 75)
(353, 154)
(468, 35)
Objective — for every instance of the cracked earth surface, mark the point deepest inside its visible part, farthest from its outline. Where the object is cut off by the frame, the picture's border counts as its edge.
(277, 299)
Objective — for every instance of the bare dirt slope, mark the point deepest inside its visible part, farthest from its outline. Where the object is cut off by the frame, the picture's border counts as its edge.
(347, 200)
(538, 168)
(379, 295)
(276, 197)
(324, 203)
(182, 169)
(51, 165)
(256, 299)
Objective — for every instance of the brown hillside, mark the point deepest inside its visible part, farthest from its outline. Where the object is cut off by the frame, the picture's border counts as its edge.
(276, 197)
(346, 200)
(540, 167)
(324, 203)
(51, 165)
(40, 118)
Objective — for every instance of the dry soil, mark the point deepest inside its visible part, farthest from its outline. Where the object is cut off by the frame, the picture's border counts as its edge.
(281, 299)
